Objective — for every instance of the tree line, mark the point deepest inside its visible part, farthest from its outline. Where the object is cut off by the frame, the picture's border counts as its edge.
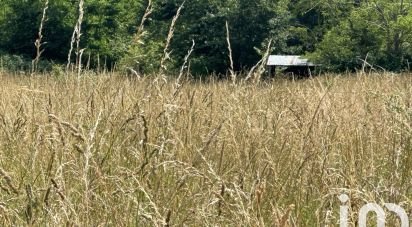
(342, 35)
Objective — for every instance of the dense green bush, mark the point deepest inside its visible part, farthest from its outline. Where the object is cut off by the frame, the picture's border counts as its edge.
(17, 63)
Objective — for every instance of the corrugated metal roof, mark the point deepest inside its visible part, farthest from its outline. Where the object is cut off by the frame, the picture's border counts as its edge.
(288, 60)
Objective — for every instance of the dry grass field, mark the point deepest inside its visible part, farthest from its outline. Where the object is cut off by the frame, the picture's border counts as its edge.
(110, 151)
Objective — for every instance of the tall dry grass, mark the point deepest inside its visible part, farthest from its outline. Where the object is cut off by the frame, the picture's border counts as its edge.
(38, 43)
(117, 152)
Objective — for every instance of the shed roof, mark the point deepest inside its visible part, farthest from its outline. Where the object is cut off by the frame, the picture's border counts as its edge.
(288, 60)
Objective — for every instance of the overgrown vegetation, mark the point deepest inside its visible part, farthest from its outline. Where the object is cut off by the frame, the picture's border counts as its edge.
(112, 151)
(84, 145)
(339, 34)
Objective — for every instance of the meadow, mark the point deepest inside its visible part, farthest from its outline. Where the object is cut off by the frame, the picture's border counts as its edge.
(106, 150)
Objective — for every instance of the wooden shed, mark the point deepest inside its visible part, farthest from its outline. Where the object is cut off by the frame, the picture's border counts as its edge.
(293, 64)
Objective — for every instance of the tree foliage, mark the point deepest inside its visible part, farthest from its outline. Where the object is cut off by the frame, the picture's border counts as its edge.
(378, 32)
(339, 34)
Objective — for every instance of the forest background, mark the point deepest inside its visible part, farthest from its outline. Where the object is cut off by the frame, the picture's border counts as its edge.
(342, 35)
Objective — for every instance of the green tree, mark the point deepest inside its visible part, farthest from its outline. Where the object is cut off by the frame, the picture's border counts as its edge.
(251, 25)
(108, 27)
(19, 25)
(378, 31)
(61, 17)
